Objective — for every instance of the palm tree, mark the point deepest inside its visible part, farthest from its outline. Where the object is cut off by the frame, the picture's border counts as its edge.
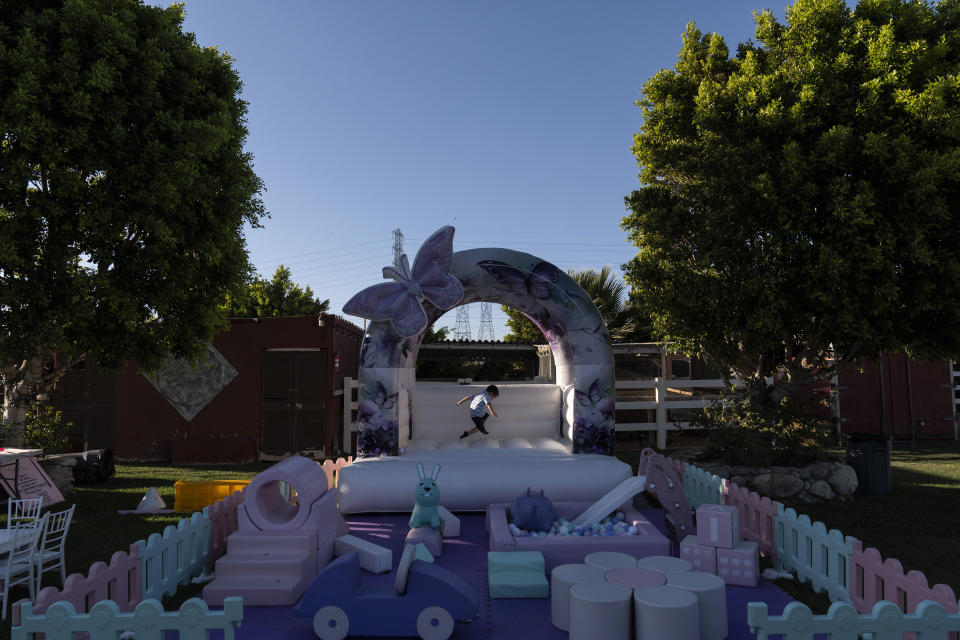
(610, 295)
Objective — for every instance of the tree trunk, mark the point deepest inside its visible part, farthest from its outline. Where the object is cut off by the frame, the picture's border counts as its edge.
(19, 393)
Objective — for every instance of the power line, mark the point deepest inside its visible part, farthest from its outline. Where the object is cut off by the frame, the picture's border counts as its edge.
(324, 251)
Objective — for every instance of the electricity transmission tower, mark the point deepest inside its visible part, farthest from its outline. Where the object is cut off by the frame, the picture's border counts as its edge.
(462, 330)
(486, 323)
(397, 246)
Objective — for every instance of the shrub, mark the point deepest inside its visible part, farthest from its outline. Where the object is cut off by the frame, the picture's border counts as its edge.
(45, 429)
(743, 431)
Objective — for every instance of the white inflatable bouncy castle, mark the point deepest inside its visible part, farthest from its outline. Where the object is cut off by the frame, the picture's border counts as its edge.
(555, 437)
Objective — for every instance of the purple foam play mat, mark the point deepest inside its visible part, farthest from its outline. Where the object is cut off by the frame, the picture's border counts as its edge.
(466, 556)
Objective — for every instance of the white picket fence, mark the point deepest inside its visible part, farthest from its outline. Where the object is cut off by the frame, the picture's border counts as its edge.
(842, 622)
(668, 394)
(148, 621)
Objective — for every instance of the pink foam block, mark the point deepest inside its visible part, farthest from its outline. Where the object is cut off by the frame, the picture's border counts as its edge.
(740, 565)
(702, 557)
(718, 526)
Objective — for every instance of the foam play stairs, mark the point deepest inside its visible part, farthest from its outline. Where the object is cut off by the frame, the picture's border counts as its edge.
(266, 568)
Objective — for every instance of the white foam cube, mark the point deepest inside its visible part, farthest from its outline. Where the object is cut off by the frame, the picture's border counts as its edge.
(740, 565)
(373, 557)
(449, 523)
(702, 557)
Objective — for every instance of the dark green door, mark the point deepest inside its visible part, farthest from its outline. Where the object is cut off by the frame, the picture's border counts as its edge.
(293, 401)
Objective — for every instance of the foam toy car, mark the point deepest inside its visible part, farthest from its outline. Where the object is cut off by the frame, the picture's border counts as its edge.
(424, 602)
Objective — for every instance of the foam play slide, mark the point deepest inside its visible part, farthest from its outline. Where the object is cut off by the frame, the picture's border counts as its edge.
(611, 501)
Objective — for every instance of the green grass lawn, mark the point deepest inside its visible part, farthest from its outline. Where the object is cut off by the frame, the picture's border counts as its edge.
(916, 523)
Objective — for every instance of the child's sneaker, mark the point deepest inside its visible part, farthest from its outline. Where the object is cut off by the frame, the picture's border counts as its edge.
(484, 431)
(465, 434)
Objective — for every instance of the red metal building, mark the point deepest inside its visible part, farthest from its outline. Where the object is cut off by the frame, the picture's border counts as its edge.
(270, 391)
(898, 397)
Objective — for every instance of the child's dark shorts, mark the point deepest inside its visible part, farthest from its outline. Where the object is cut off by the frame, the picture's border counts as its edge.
(479, 420)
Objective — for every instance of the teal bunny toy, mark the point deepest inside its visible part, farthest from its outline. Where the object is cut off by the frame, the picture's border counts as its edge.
(426, 497)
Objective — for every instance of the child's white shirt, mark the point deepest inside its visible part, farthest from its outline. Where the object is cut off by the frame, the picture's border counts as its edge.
(478, 404)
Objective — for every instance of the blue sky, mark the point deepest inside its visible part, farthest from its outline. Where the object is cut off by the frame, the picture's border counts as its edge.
(512, 121)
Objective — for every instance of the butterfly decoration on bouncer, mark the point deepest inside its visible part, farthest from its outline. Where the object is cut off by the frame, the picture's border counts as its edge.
(383, 400)
(591, 397)
(401, 302)
(536, 283)
(595, 399)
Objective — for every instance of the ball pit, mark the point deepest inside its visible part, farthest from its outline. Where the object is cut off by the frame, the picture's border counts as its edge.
(613, 525)
(637, 536)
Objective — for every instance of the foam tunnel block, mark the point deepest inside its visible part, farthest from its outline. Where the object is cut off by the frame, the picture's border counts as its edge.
(265, 504)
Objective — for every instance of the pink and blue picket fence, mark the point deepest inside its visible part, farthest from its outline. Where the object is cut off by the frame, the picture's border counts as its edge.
(150, 569)
(830, 561)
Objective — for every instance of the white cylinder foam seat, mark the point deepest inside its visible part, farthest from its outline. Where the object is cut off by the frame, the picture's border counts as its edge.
(711, 592)
(600, 610)
(636, 578)
(665, 564)
(265, 503)
(666, 612)
(610, 560)
(562, 578)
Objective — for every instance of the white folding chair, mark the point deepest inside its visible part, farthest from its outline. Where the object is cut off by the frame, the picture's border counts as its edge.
(49, 555)
(17, 567)
(26, 511)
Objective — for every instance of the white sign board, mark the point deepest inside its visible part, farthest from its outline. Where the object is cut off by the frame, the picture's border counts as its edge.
(21, 476)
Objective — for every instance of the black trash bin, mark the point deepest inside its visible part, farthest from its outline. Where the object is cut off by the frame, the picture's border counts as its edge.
(869, 455)
(96, 465)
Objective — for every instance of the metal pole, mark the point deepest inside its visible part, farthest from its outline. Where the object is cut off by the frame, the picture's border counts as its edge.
(913, 423)
(883, 398)
(953, 398)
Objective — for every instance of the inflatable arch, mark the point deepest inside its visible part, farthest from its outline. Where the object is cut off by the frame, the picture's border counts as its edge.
(400, 313)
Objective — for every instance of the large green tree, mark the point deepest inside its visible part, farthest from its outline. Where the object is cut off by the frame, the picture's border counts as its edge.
(623, 320)
(278, 296)
(124, 189)
(799, 200)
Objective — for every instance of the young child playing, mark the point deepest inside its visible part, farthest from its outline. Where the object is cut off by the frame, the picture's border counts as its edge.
(479, 406)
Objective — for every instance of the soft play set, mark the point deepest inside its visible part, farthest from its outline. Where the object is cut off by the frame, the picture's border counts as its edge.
(568, 536)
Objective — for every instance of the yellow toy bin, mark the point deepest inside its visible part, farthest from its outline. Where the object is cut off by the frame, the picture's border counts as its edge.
(194, 495)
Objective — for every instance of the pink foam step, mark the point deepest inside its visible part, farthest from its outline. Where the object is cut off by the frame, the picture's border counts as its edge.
(280, 591)
(298, 565)
(268, 542)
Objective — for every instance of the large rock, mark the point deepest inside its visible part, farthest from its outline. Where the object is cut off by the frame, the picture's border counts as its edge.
(821, 489)
(843, 481)
(778, 485)
(60, 470)
(820, 470)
